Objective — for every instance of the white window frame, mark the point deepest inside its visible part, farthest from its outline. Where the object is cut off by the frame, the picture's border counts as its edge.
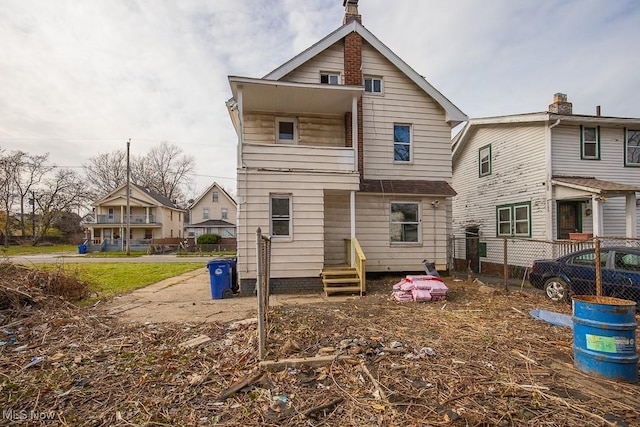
(372, 79)
(484, 159)
(329, 75)
(293, 120)
(224, 213)
(626, 148)
(513, 221)
(215, 197)
(417, 223)
(206, 213)
(595, 142)
(410, 144)
(289, 217)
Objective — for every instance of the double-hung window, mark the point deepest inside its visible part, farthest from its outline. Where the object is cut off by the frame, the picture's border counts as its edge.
(405, 222)
(330, 78)
(225, 213)
(215, 197)
(205, 213)
(401, 143)
(590, 142)
(286, 130)
(631, 147)
(373, 84)
(484, 159)
(514, 220)
(280, 214)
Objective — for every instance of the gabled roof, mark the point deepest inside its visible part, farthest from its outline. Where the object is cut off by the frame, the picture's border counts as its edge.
(453, 114)
(155, 196)
(211, 187)
(459, 141)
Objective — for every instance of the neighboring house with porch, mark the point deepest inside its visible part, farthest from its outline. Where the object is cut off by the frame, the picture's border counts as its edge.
(546, 176)
(213, 212)
(153, 216)
(344, 158)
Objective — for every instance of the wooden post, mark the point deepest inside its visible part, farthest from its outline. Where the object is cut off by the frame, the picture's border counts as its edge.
(506, 266)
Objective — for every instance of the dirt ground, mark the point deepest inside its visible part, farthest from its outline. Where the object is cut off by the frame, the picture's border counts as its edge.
(476, 359)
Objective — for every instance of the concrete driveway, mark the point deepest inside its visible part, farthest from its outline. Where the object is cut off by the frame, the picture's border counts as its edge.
(187, 298)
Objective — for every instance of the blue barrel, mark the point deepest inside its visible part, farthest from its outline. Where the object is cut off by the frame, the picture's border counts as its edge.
(604, 337)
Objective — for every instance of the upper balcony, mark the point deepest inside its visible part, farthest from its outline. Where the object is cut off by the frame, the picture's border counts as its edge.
(135, 220)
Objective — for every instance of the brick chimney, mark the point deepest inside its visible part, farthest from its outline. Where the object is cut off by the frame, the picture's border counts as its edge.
(560, 104)
(351, 11)
(353, 75)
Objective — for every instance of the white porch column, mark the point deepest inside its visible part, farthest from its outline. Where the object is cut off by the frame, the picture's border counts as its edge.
(146, 213)
(352, 210)
(240, 103)
(597, 215)
(632, 215)
(121, 214)
(354, 132)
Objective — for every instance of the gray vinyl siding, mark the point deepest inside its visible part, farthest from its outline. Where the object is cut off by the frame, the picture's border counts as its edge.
(566, 161)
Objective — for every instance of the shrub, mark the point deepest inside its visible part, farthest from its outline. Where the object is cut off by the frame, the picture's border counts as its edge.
(208, 239)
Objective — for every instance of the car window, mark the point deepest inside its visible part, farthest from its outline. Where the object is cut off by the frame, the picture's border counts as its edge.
(627, 261)
(589, 259)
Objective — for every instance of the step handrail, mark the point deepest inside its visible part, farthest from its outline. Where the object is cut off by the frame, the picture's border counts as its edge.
(352, 246)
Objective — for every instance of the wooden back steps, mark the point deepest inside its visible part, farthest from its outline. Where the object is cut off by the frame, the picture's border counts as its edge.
(338, 279)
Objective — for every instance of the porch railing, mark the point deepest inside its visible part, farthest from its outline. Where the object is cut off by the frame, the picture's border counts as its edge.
(352, 246)
(135, 219)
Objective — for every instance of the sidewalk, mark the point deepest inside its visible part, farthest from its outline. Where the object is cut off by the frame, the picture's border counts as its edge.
(187, 298)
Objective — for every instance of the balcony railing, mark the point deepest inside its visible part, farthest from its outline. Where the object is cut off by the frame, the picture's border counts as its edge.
(135, 219)
(299, 157)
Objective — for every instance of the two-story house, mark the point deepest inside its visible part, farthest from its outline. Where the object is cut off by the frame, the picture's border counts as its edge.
(546, 175)
(343, 154)
(213, 212)
(152, 216)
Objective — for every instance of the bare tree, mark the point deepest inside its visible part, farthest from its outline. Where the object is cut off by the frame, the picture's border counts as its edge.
(165, 169)
(9, 170)
(170, 169)
(106, 172)
(32, 169)
(64, 192)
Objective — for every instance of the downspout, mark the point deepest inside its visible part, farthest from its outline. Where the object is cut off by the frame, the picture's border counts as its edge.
(549, 189)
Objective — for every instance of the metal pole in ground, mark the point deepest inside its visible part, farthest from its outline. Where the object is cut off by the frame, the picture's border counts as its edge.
(260, 297)
(596, 243)
(506, 266)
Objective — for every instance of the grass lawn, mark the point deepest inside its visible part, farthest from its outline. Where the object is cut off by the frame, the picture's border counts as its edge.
(110, 279)
(29, 249)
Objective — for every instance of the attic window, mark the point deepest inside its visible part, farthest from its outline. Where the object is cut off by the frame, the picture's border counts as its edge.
(373, 84)
(330, 78)
(215, 196)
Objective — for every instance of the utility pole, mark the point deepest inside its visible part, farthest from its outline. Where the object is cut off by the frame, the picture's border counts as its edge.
(128, 235)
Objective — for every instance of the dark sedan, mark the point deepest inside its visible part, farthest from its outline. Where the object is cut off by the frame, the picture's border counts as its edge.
(576, 274)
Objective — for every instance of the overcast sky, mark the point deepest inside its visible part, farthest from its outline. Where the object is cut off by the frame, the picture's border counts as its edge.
(79, 78)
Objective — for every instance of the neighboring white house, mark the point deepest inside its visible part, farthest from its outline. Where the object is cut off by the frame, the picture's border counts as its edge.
(153, 216)
(214, 212)
(545, 175)
(342, 146)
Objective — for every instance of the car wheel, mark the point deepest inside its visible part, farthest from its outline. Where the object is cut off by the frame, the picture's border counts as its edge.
(556, 289)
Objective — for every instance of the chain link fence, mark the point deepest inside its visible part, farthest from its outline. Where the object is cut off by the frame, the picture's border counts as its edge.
(560, 268)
